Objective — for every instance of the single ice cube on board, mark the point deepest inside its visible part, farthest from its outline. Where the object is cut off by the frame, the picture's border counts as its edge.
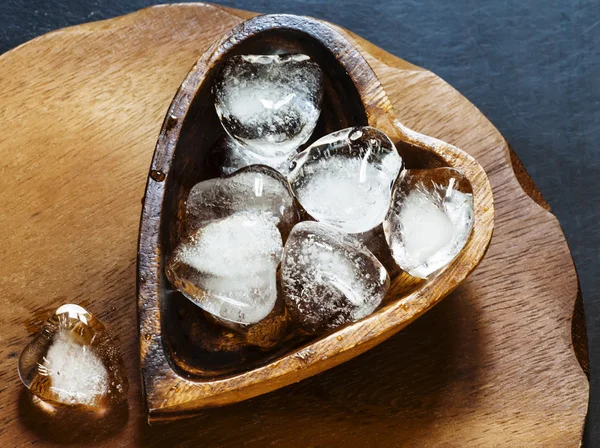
(230, 156)
(269, 103)
(73, 361)
(345, 179)
(430, 220)
(228, 267)
(328, 278)
(256, 189)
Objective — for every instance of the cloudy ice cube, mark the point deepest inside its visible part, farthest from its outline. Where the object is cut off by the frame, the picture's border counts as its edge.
(230, 156)
(256, 189)
(73, 361)
(269, 103)
(228, 267)
(345, 179)
(430, 220)
(77, 375)
(328, 278)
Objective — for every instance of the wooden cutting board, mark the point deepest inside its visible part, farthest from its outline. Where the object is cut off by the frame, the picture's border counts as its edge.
(498, 363)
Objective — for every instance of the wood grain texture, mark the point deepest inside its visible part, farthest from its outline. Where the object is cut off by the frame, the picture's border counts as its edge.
(492, 365)
(175, 383)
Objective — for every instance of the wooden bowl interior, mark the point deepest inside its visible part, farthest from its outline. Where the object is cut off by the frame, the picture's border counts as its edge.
(197, 348)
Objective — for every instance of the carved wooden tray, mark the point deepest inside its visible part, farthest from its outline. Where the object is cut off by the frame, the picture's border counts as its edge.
(492, 365)
(180, 375)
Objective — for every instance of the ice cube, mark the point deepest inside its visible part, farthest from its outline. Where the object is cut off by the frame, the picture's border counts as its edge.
(230, 156)
(228, 267)
(328, 278)
(345, 179)
(256, 189)
(269, 103)
(430, 220)
(73, 361)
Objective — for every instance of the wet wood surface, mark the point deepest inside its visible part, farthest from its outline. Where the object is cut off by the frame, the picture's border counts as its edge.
(491, 365)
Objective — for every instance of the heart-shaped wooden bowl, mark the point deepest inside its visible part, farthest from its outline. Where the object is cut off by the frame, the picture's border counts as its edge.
(186, 365)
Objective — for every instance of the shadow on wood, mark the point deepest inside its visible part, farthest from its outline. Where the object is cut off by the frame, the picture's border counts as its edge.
(65, 425)
(367, 394)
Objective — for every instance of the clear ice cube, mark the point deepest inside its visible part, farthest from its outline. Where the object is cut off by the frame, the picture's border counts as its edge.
(430, 220)
(269, 103)
(73, 361)
(230, 156)
(257, 189)
(228, 267)
(345, 179)
(328, 278)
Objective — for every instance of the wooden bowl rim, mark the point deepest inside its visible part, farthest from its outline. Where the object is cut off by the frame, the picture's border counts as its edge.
(168, 394)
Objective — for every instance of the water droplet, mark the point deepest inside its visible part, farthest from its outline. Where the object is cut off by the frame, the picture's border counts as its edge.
(356, 134)
(170, 122)
(158, 175)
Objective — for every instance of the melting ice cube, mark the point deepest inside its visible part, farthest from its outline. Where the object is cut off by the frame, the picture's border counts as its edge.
(228, 267)
(269, 103)
(430, 220)
(257, 189)
(73, 361)
(345, 179)
(328, 278)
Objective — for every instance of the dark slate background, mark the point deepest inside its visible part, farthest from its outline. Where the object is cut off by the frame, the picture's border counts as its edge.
(533, 67)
